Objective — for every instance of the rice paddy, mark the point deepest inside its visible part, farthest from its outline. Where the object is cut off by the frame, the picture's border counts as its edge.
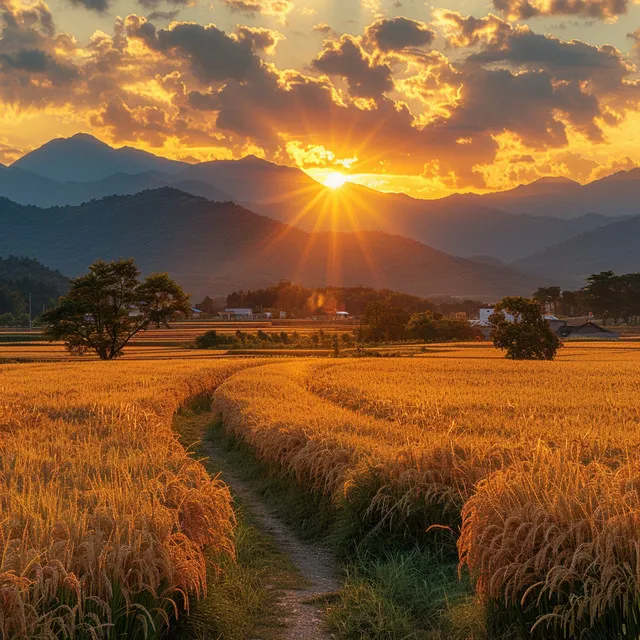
(528, 470)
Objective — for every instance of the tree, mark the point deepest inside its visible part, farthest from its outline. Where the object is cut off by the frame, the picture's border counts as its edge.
(434, 327)
(382, 322)
(207, 306)
(604, 292)
(107, 307)
(549, 296)
(525, 334)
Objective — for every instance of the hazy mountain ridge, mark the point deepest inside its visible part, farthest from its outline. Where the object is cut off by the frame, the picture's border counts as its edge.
(460, 225)
(614, 195)
(213, 248)
(84, 158)
(612, 248)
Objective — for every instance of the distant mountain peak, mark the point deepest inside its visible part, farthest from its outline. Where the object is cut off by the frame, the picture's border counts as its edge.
(77, 140)
(560, 180)
(255, 160)
(85, 137)
(85, 158)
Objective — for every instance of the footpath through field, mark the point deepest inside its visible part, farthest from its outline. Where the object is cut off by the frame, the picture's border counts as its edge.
(303, 607)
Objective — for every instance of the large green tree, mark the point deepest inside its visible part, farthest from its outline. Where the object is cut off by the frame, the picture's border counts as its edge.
(108, 306)
(520, 329)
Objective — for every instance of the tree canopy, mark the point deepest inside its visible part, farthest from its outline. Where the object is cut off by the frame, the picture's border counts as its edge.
(434, 327)
(520, 329)
(300, 301)
(108, 306)
(382, 322)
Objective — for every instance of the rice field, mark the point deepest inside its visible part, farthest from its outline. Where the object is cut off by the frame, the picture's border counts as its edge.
(533, 467)
(104, 517)
(528, 470)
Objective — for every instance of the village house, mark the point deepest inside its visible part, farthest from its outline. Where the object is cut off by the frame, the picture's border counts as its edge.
(563, 328)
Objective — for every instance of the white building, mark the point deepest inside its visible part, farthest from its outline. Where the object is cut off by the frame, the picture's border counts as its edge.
(238, 314)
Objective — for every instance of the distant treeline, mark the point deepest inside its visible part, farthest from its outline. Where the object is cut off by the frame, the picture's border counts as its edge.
(23, 277)
(609, 296)
(262, 340)
(299, 301)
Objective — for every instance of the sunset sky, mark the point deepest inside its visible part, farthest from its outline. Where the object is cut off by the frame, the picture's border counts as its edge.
(402, 95)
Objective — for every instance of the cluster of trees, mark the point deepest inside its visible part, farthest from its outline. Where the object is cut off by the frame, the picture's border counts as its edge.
(21, 278)
(614, 297)
(21, 320)
(265, 340)
(383, 322)
(300, 302)
(607, 295)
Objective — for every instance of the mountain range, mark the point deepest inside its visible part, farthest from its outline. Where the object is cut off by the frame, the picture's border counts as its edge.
(213, 248)
(541, 228)
(505, 226)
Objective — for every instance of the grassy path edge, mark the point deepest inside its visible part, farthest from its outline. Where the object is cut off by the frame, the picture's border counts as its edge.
(279, 585)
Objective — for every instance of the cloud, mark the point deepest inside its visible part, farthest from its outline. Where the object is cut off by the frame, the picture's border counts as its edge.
(387, 98)
(211, 53)
(468, 31)
(259, 38)
(151, 4)
(604, 68)
(608, 10)
(99, 6)
(367, 78)
(323, 27)
(163, 15)
(276, 8)
(399, 33)
(35, 64)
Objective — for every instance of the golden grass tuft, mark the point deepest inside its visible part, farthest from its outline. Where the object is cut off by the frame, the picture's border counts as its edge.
(103, 514)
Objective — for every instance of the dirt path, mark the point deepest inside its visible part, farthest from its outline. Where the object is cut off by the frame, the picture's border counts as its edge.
(304, 616)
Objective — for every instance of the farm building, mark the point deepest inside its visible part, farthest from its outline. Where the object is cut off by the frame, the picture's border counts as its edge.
(237, 314)
(587, 331)
(584, 331)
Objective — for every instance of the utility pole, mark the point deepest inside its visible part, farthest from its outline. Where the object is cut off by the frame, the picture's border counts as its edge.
(30, 323)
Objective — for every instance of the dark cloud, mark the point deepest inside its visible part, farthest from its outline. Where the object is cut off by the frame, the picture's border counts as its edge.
(468, 31)
(424, 113)
(258, 38)
(346, 58)
(150, 124)
(525, 9)
(152, 4)
(276, 8)
(399, 33)
(36, 61)
(604, 68)
(211, 53)
(526, 104)
(33, 65)
(100, 6)
(164, 15)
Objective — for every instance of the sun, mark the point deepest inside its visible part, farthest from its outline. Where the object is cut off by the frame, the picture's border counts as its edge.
(335, 180)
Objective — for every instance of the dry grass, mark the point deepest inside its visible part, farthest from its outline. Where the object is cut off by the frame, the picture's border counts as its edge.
(103, 515)
(539, 459)
(556, 541)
